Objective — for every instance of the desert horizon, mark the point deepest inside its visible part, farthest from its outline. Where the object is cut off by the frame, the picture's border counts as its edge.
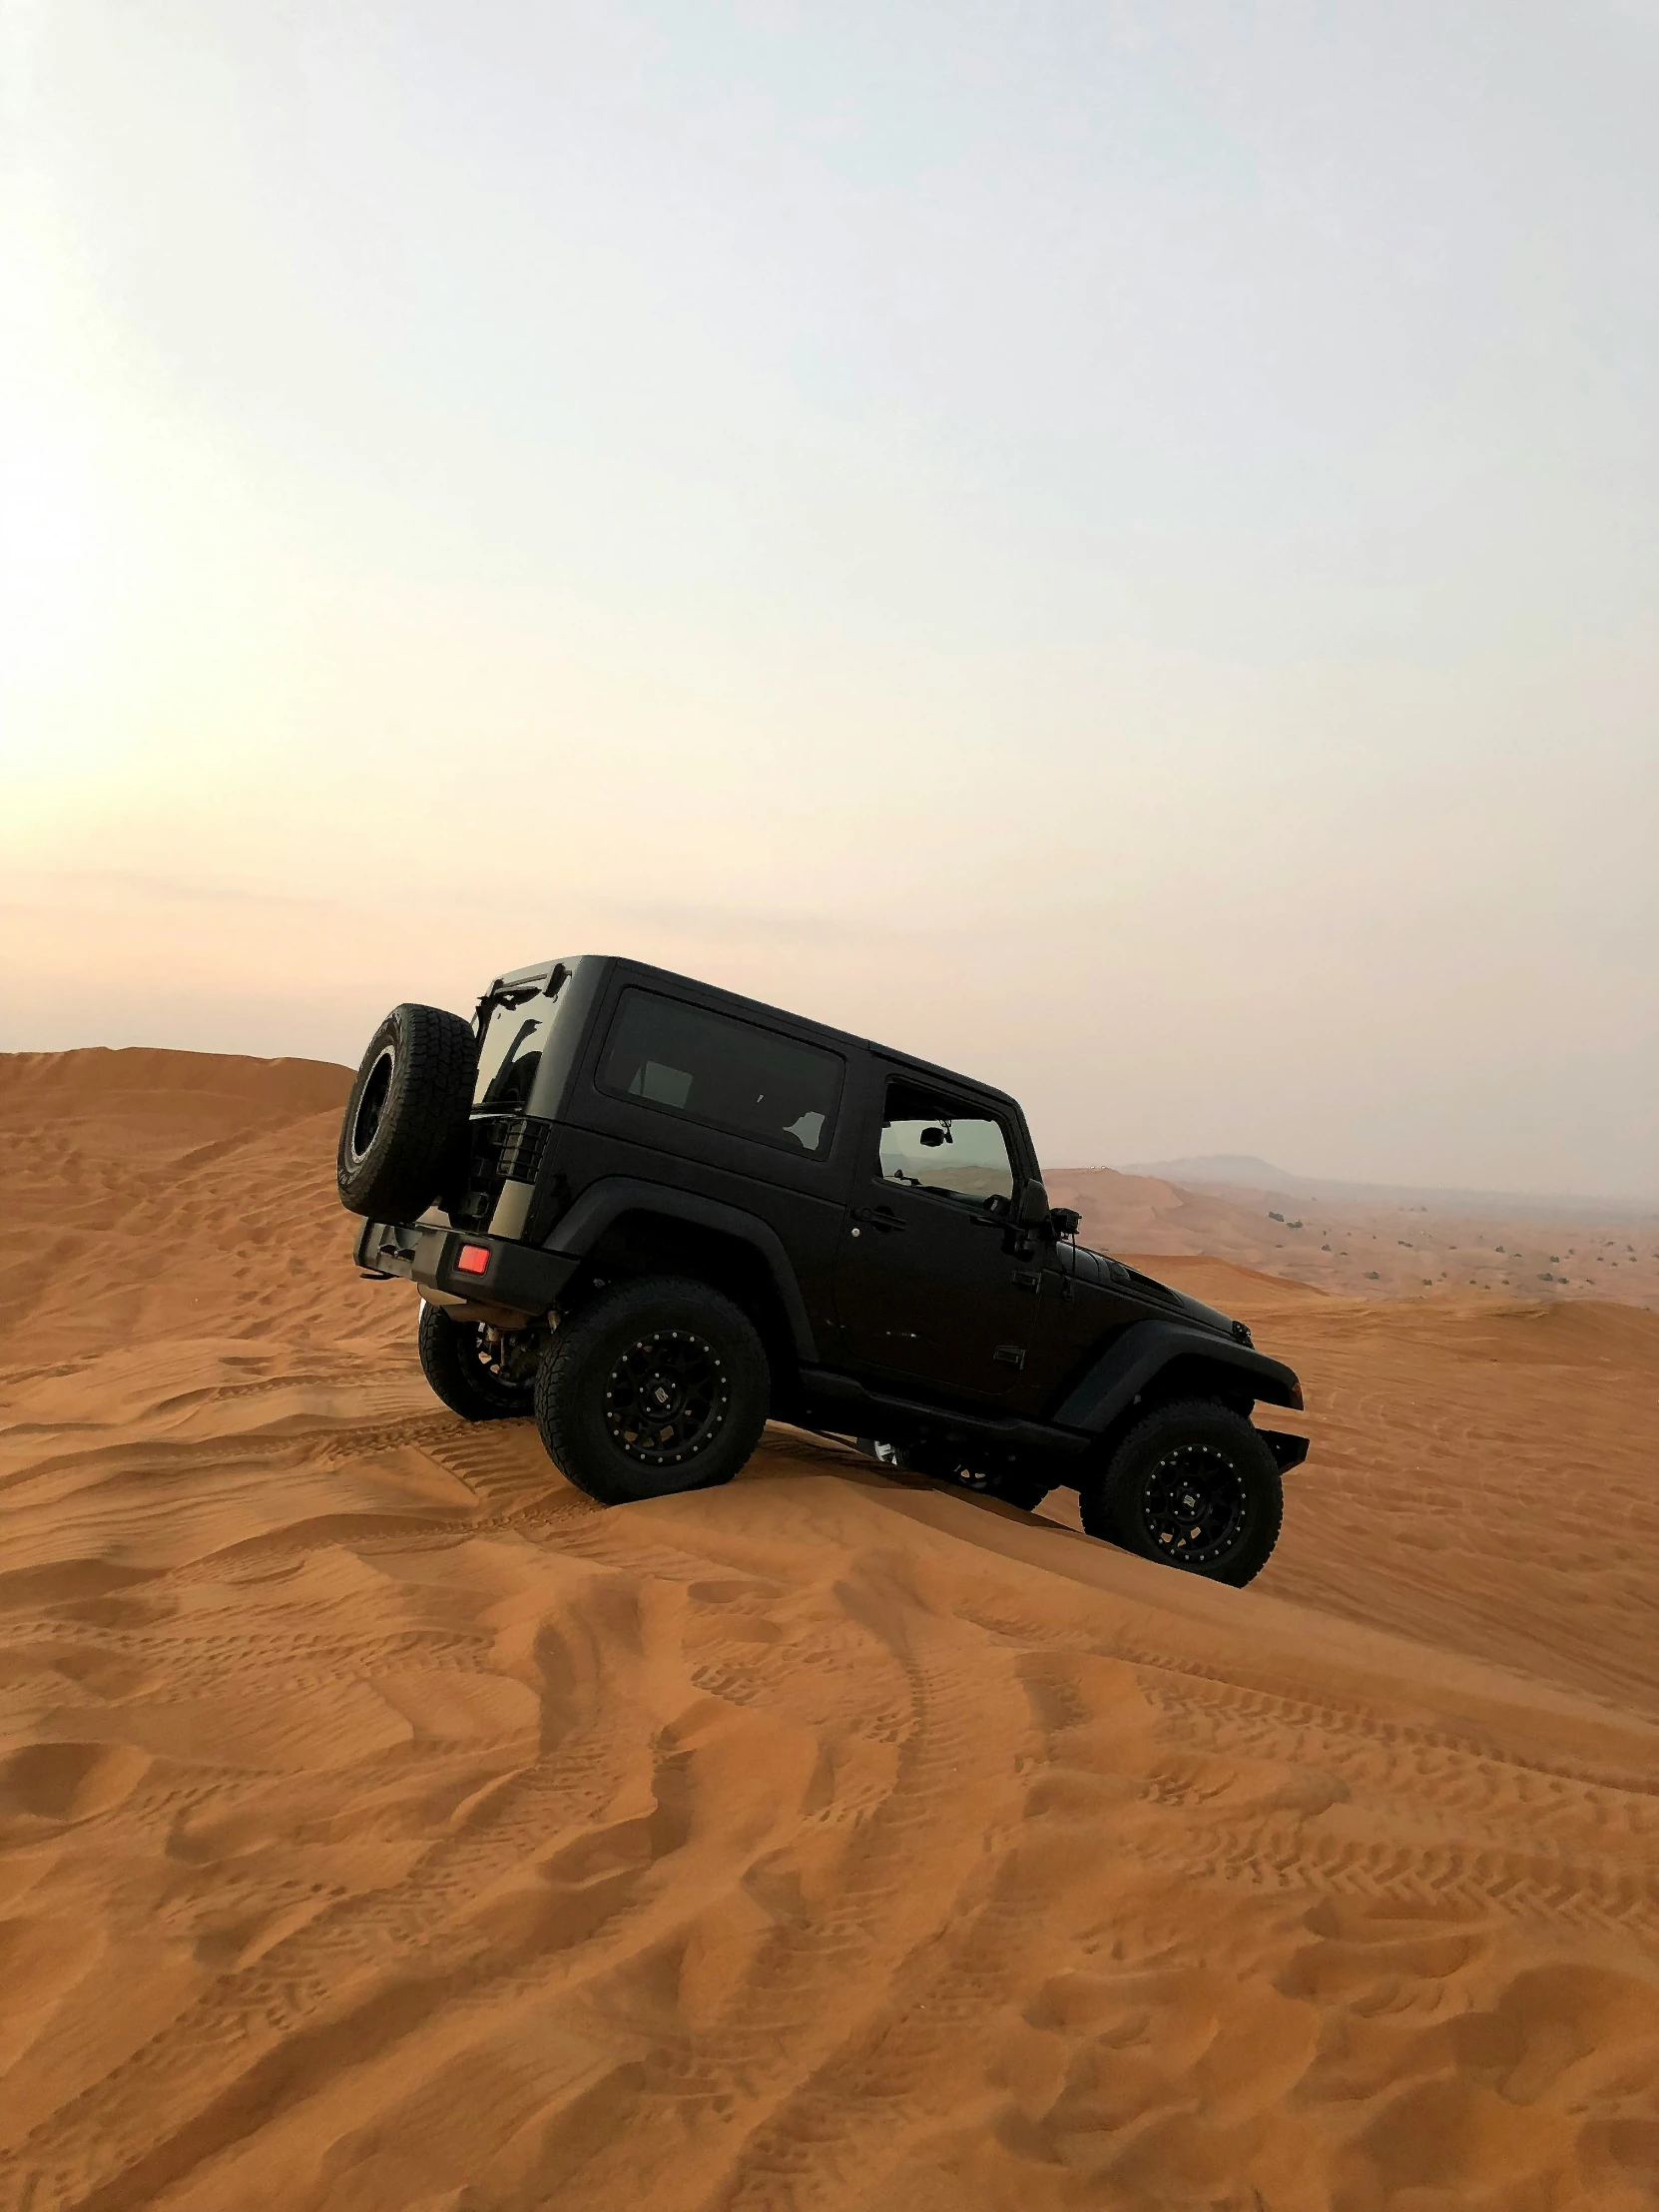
(1236, 1175)
(1346, 1240)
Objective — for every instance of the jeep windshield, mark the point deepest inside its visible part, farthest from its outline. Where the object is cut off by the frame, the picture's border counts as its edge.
(518, 1020)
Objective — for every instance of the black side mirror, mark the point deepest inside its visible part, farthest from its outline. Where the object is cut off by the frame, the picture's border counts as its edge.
(1032, 1211)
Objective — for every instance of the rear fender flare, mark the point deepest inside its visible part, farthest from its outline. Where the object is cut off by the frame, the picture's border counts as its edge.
(604, 1202)
(1141, 1354)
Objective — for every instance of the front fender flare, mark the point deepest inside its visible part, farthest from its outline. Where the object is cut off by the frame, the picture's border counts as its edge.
(1141, 1354)
(604, 1202)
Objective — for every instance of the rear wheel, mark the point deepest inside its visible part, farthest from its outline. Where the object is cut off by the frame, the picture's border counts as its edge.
(1195, 1486)
(656, 1386)
(406, 1119)
(482, 1374)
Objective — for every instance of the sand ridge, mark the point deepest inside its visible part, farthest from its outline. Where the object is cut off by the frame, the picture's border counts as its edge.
(384, 1826)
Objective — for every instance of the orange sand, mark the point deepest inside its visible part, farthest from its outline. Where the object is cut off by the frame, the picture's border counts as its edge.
(388, 1829)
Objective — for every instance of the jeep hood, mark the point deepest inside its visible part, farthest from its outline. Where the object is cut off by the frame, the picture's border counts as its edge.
(1110, 1274)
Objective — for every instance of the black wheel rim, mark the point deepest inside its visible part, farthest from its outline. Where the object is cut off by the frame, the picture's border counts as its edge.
(365, 1122)
(1195, 1504)
(665, 1398)
(505, 1366)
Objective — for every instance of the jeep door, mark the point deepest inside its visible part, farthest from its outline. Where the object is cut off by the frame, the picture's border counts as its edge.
(928, 1287)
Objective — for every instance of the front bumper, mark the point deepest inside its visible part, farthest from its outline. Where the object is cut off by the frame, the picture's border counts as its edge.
(522, 1278)
(1290, 1451)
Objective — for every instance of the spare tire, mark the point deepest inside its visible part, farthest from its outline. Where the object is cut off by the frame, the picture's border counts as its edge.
(406, 1122)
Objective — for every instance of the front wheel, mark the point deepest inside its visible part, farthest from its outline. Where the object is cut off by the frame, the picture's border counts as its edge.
(656, 1386)
(482, 1374)
(1195, 1486)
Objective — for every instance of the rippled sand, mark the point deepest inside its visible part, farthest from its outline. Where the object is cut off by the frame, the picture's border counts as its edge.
(387, 1827)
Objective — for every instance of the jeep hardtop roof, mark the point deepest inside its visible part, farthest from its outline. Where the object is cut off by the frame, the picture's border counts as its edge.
(754, 1009)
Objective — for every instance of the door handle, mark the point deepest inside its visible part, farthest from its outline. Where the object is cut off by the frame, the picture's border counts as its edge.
(879, 1217)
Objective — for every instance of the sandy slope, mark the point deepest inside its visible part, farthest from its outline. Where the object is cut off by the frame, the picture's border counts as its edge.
(385, 1827)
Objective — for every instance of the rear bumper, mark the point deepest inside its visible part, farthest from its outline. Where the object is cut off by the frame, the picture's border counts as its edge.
(521, 1277)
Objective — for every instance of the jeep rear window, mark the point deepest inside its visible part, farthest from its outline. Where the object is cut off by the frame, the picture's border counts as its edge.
(511, 1050)
(729, 1074)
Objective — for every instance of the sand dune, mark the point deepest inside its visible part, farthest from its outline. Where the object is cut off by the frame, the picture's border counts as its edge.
(385, 1828)
(152, 1191)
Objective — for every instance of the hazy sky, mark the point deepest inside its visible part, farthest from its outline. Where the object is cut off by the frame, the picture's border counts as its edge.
(1115, 546)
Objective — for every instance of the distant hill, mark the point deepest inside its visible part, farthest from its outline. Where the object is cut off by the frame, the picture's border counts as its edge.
(1147, 1214)
(1245, 1169)
(1244, 1175)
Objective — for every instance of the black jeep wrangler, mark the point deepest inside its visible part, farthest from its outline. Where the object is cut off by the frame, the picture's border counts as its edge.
(654, 1215)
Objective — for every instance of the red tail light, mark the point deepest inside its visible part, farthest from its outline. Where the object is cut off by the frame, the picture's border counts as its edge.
(472, 1259)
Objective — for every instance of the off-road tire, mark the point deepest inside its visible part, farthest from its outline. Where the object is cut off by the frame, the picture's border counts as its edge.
(598, 1372)
(1199, 1451)
(455, 1360)
(406, 1123)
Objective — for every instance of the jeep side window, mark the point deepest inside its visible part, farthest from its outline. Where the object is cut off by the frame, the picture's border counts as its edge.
(930, 1142)
(727, 1073)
